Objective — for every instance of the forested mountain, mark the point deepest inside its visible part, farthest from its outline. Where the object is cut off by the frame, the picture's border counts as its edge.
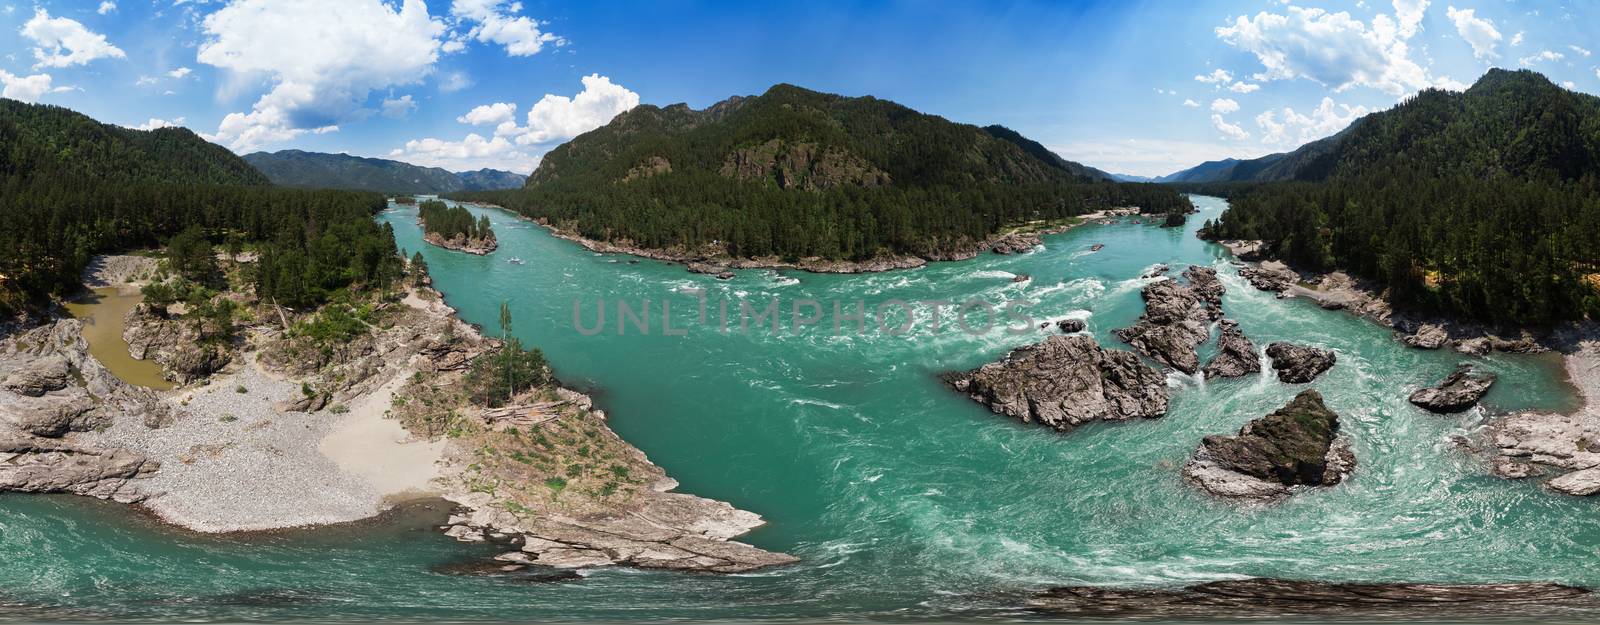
(316, 170)
(491, 180)
(71, 187)
(797, 173)
(1482, 203)
(1044, 154)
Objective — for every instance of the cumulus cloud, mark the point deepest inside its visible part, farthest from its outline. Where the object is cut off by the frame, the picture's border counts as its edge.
(399, 108)
(1543, 55)
(1224, 105)
(24, 88)
(1243, 87)
(156, 122)
(1231, 131)
(1583, 52)
(62, 42)
(1216, 77)
(490, 114)
(1333, 49)
(492, 22)
(180, 73)
(1409, 15)
(1516, 40)
(454, 81)
(106, 7)
(1479, 32)
(1571, 86)
(1191, 104)
(1294, 128)
(323, 60)
(552, 119)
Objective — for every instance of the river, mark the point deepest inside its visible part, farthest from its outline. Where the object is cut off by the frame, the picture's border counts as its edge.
(902, 499)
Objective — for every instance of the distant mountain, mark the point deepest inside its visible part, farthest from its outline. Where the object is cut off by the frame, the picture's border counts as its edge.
(1301, 164)
(491, 180)
(316, 170)
(1132, 178)
(797, 174)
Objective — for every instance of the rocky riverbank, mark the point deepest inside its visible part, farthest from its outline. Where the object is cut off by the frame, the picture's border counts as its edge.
(714, 259)
(293, 432)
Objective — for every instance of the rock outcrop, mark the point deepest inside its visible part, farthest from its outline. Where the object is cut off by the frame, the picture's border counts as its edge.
(1270, 279)
(1428, 336)
(1067, 381)
(1016, 243)
(481, 246)
(1525, 442)
(1297, 445)
(1177, 319)
(1257, 598)
(1071, 326)
(53, 388)
(1298, 364)
(1459, 391)
(173, 343)
(1236, 355)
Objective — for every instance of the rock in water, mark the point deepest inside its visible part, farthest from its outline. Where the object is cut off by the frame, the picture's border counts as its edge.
(1067, 381)
(1016, 243)
(1429, 336)
(1297, 445)
(1459, 391)
(1298, 364)
(1236, 355)
(1175, 319)
(1070, 326)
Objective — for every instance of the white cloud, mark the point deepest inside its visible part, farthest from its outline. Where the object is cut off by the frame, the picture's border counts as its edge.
(1216, 77)
(1231, 131)
(180, 73)
(24, 88)
(323, 60)
(552, 119)
(1243, 87)
(493, 23)
(156, 122)
(1191, 104)
(399, 108)
(146, 80)
(1224, 105)
(1516, 40)
(1597, 72)
(1571, 86)
(454, 81)
(1583, 52)
(1543, 55)
(106, 7)
(62, 42)
(1333, 49)
(489, 114)
(1409, 13)
(1479, 32)
(1295, 129)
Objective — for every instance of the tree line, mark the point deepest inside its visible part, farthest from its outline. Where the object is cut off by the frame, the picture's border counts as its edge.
(452, 221)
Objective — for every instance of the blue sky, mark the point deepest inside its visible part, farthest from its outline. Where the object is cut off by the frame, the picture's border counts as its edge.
(1140, 87)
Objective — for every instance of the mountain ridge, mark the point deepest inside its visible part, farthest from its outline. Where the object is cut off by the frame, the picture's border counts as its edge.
(322, 170)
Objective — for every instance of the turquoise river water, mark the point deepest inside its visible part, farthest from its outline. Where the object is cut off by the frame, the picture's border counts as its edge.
(902, 499)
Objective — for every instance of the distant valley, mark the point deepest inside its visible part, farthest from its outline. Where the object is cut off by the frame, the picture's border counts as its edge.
(316, 170)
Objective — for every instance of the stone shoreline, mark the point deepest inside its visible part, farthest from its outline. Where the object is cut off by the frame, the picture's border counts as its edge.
(712, 260)
(242, 451)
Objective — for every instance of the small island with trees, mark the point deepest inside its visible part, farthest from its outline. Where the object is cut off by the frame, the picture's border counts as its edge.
(453, 227)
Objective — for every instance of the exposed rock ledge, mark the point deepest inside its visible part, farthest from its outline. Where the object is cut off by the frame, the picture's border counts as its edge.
(482, 246)
(1298, 364)
(1177, 319)
(1067, 381)
(1530, 444)
(1296, 445)
(1276, 597)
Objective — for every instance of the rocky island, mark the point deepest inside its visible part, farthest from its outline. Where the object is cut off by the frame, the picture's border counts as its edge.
(453, 227)
(1067, 381)
(1297, 445)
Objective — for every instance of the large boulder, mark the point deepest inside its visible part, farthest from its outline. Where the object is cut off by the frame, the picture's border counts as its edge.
(1296, 445)
(1236, 355)
(1459, 391)
(1067, 381)
(1298, 364)
(1176, 319)
(48, 373)
(1070, 326)
(1428, 336)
